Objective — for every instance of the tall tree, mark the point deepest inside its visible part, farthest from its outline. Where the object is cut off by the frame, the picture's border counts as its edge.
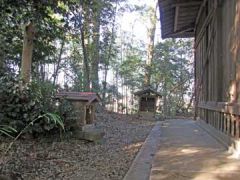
(85, 60)
(108, 51)
(150, 47)
(95, 45)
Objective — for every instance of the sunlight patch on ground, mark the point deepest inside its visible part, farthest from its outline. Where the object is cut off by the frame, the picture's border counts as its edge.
(190, 151)
(132, 148)
(234, 149)
(228, 171)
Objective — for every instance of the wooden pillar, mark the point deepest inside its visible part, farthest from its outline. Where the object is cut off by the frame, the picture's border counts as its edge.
(155, 105)
(84, 108)
(235, 49)
(233, 125)
(93, 110)
(225, 123)
(222, 120)
(237, 127)
(90, 112)
(229, 124)
(219, 54)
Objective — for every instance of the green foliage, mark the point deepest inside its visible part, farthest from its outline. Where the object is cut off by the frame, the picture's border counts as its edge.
(58, 49)
(54, 118)
(57, 21)
(131, 70)
(7, 130)
(21, 105)
(65, 109)
(50, 118)
(173, 74)
(15, 14)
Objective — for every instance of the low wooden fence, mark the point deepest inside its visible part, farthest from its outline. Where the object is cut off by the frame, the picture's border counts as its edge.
(225, 117)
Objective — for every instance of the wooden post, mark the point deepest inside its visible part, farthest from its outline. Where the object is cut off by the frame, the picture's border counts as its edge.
(176, 18)
(92, 115)
(232, 125)
(219, 55)
(229, 126)
(225, 124)
(237, 127)
(155, 105)
(84, 115)
(29, 32)
(222, 121)
(89, 114)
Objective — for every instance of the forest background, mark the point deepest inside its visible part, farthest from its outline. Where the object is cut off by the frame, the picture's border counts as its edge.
(112, 47)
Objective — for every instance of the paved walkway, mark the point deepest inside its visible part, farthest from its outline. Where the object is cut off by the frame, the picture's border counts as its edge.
(188, 152)
(185, 152)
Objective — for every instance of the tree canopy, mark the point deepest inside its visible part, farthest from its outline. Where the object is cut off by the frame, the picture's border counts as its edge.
(80, 45)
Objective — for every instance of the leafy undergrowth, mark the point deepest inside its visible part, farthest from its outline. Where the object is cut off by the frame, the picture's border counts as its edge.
(69, 158)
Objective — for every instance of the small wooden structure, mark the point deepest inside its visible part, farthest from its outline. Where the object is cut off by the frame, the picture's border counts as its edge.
(147, 100)
(84, 105)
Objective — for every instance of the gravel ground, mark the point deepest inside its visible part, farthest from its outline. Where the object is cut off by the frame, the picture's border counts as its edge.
(50, 158)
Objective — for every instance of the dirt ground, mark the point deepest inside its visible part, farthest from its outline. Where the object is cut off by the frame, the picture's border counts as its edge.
(69, 158)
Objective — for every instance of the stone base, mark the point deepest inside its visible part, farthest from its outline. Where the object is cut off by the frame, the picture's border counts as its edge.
(90, 133)
(147, 115)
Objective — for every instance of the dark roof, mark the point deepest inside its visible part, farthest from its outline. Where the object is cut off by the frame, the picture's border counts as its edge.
(178, 17)
(79, 96)
(146, 90)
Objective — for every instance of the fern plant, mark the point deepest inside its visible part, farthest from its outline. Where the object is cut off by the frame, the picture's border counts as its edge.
(54, 118)
(7, 130)
(51, 117)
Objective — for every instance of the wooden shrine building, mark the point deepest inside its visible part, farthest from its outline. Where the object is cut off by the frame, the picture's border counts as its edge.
(84, 104)
(147, 100)
(215, 26)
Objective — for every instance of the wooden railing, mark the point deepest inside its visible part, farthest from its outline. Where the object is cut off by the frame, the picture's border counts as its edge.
(222, 115)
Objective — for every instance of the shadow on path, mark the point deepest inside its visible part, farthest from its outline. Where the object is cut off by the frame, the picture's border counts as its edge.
(187, 152)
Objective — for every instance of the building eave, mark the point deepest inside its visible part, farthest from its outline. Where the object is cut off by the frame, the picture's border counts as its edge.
(178, 17)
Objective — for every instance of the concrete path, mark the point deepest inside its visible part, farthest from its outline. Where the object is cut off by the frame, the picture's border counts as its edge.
(187, 152)
(181, 150)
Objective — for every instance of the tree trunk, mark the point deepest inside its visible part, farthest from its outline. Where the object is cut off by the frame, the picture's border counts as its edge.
(108, 57)
(85, 62)
(29, 33)
(117, 97)
(126, 99)
(190, 102)
(122, 84)
(151, 36)
(42, 72)
(132, 100)
(165, 109)
(2, 64)
(55, 74)
(95, 52)
(105, 85)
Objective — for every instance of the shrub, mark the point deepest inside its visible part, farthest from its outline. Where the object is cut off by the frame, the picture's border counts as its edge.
(22, 105)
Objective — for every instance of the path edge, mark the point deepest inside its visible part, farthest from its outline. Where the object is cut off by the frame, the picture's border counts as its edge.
(142, 164)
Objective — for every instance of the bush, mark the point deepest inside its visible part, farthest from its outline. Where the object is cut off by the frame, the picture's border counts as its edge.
(21, 105)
